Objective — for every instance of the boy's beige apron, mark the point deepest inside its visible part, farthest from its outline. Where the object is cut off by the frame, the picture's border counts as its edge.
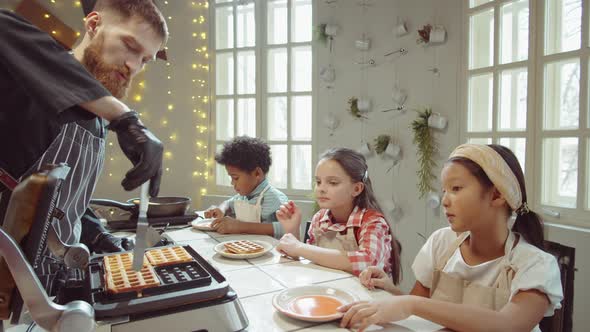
(248, 212)
(446, 287)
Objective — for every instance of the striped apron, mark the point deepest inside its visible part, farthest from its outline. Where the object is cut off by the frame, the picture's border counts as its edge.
(84, 153)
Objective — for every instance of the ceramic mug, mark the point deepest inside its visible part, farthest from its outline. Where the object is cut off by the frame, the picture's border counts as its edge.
(331, 30)
(365, 150)
(433, 200)
(363, 104)
(363, 44)
(328, 74)
(401, 29)
(437, 121)
(438, 34)
(399, 96)
(331, 121)
(393, 150)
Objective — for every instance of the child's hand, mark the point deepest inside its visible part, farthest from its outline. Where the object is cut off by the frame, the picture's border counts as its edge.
(226, 225)
(363, 314)
(214, 212)
(373, 277)
(289, 215)
(289, 245)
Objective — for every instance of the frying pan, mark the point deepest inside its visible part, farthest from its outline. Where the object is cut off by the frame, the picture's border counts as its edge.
(157, 207)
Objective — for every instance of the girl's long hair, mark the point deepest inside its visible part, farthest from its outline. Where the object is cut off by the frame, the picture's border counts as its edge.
(527, 224)
(355, 165)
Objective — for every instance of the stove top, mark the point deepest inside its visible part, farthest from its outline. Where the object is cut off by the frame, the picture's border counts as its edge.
(131, 224)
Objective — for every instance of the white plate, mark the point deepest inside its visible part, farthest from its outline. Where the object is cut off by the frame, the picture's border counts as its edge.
(301, 302)
(203, 224)
(220, 249)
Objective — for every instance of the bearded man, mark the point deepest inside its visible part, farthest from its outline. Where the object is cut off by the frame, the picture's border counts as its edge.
(56, 105)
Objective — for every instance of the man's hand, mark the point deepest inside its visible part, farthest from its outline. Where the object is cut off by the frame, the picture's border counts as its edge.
(142, 148)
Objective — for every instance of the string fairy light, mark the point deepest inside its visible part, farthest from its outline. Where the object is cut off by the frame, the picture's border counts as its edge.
(142, 96)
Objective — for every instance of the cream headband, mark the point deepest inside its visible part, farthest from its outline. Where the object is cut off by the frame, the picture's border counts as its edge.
(495, 168)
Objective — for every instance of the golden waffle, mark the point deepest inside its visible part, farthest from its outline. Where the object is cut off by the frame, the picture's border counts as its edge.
(115, 262)
(243, 247)
(120, 276)
(168, 256)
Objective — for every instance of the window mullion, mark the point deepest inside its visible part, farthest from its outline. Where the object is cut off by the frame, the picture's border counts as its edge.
(262, 76)
(583, 167)
(235, 63)
(495, 75)
(289, 97)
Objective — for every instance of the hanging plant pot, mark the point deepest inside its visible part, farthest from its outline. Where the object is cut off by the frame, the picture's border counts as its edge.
(353, 108)
(427, 149)
(381, 144)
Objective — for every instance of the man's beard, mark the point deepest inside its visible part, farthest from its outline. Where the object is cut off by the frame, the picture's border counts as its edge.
(103, 72)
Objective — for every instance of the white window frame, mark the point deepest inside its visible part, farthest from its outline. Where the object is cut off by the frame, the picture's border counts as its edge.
(534, 133)
(261, 48)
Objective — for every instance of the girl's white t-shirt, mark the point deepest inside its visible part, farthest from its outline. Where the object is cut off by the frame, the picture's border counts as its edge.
(535, 269)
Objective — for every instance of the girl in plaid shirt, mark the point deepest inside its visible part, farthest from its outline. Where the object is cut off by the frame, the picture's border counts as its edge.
(349, 232)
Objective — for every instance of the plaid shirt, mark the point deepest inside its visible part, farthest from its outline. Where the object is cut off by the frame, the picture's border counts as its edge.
(372, 234)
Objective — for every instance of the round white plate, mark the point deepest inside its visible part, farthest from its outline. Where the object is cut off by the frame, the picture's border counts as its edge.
(220, 249)
(203, 224)
(298, 302)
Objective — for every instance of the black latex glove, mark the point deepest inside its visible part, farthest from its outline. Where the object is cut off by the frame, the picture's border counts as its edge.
(98, 239)
(142, 148)
(106, 242)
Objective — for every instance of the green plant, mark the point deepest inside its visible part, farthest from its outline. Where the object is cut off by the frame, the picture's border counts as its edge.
(381, 143)
(426, 144)
(319, 32)
(353, 108)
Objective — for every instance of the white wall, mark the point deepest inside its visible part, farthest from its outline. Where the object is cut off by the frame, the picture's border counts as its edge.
(410, 73)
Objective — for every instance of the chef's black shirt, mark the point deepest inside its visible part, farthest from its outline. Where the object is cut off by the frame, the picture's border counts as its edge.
(41, 84)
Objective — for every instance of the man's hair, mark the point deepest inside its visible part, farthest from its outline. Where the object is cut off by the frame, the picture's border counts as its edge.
(146, 9)
(245, 153)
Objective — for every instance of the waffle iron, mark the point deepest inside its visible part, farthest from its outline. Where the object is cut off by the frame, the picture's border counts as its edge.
(192, 296)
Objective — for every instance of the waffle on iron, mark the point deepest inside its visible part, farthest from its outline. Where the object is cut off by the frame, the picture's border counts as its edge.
(243, 247)
(120, 276)
(168, 256)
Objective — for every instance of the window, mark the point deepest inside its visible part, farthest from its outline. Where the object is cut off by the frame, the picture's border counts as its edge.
(530, 92)
(263, 84)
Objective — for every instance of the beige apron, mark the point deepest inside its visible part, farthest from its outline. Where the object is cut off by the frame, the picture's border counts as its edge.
(248, 212)
(449, 288)
(335, 240)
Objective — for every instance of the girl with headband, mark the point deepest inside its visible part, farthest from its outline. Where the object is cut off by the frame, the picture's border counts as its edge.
(488, 266)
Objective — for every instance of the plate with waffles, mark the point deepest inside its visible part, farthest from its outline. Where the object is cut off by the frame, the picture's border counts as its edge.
(120, 276)
(242, 249)
(168, 256)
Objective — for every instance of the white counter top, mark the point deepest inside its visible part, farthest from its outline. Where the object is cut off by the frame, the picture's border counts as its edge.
(257, 280)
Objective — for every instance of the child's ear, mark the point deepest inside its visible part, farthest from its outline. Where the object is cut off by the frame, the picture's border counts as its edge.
(358, 189)
(258, 173)
(498, 199)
